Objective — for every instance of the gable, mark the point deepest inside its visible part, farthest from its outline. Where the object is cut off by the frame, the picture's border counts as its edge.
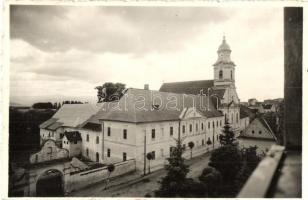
(257, 129)
(191, 113)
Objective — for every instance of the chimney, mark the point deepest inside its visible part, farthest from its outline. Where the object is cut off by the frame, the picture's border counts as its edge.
(146, 86)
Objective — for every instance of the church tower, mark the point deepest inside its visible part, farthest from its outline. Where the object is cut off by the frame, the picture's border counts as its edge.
(224, 68)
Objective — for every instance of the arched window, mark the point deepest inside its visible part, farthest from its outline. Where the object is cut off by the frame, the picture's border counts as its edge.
(220, 74)
(87, 152)
(97, 157)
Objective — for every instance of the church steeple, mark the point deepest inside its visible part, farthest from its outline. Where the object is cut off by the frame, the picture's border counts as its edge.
(224, 66)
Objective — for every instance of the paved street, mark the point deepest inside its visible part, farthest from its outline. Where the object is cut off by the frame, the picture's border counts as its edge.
(133, 185)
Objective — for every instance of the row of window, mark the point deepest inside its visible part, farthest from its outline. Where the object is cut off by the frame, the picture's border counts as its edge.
(97, 139)
(124, 133)
(124, 155)
(218, 124)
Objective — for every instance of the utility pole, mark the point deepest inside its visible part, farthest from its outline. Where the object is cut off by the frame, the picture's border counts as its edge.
(145, 150)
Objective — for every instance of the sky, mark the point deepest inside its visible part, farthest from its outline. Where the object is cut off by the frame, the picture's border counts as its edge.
(63, 52)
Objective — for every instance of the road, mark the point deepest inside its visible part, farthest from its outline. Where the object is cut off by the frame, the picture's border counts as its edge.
(134, 185)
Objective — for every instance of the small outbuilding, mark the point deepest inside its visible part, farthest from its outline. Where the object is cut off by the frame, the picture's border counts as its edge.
(72, 142)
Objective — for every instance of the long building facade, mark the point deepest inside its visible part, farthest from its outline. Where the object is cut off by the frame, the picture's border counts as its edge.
(144, 121)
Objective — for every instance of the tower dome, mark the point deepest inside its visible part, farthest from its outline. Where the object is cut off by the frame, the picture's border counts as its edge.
(224, 46)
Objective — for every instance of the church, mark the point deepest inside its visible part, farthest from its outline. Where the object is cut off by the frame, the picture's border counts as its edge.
(221, 90)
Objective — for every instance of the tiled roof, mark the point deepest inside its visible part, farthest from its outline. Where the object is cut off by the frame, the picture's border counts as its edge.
(73, 136)
(71, 115)
(48, 123)
(188, 87)
(136, 106)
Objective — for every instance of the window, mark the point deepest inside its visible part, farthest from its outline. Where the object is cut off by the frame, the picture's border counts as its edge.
(220, 74)
(170, 151)
(252, 132)
(108, 153)
(209, 125)
(153, 154)
(97, 157)
(36, 158)
(87, 152)
(108, 131)
(216, 123)
(202, 142)
(231, 75)
(236, 117)
(125, 134)
(220, 123)
(202, 126)
(87, 137)
(213, 124)
(162, 152)
(153, 134)
(124, 156)
(260, 132)
(183, 129)
(97, 139)
(171, 131)
(49, 134)
(196, 127)
(190, 127)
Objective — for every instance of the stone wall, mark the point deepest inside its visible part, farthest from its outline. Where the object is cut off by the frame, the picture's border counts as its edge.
(82, 179)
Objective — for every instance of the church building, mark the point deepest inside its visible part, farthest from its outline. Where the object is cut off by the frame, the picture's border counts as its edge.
(221, 90)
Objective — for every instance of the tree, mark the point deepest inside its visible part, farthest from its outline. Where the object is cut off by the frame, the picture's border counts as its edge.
(109, 91)
(43, 105)
(150, 156)
(191, 146)
(227, 136)
(250, 161)
(227, 160)
(212, 179)
(110, 169)
(173, 184)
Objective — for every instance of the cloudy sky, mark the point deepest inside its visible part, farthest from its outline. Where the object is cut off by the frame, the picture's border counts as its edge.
(60, 52)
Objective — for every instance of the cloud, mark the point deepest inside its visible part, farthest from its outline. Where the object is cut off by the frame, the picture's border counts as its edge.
(62, 50)
(110, 29)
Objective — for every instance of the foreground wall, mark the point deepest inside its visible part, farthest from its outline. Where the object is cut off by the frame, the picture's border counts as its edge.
(82, 179)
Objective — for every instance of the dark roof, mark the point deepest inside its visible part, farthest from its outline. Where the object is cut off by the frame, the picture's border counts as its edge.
(137, 107)
(271, 121)
(73, 136)
(247, 112)
(267, 106)
(188, 87)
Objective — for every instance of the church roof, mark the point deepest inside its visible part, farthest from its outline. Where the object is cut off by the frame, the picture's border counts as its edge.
(187, 87)
(224, 46)
(136, 106)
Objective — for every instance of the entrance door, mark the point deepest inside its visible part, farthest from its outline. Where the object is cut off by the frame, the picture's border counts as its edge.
(50, 184)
